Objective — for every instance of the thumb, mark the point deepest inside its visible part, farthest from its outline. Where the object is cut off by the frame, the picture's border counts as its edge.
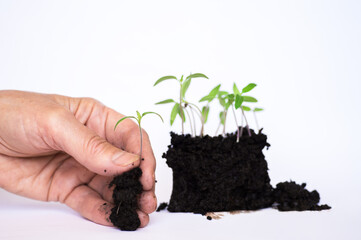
(90, 150)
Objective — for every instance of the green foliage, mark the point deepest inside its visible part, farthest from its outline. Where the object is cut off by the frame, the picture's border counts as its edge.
(176, 111)
(138, 118)
(249, 87)
(257, 109)
(163, 79)
(213, 93)
(166, 101)
(245, 108)
(205, 112)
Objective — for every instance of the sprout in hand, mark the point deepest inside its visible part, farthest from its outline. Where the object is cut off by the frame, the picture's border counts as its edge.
(138, 118)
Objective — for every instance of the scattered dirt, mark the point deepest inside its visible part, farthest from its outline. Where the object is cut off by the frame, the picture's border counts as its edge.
(127, 188)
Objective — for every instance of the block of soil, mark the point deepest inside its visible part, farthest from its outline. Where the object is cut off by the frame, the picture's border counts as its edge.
(127, 188)
(218, 174)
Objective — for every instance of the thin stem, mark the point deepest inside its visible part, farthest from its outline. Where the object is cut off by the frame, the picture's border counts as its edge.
(225, 121)
(255, 118)
(247, 126)
(141, 141)
(194, 120)
(181, 107)
(219, 125)
(190, 122)
(235, 118)
(200, 115)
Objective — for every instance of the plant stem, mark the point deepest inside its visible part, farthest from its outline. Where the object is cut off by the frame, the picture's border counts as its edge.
(181, 107)
(219, 125)
(235, 118)
(224, 125)
(247, 126)
(200, 116)
(255, 118)
(194, 121)
(141, 141)
(190, 122)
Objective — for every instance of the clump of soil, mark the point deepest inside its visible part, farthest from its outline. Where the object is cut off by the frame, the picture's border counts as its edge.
(218, 174)
(162, 206)
(127, 188)
(290, 196)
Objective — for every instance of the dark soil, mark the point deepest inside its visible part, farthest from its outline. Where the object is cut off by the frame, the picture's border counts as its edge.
(218, 174)
(125, 196)
(162, 206)
(290, 196)
(212, 174)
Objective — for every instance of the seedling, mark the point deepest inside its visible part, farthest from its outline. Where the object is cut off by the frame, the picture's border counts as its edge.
(138, 118)
(181, 104)
(225, 100)
(205, 110)
(255, 118)
(239, 99)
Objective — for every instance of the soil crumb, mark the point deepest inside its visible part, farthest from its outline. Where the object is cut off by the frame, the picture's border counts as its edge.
(162, 206)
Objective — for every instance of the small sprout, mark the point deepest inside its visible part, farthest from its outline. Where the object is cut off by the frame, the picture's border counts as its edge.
(179, 106)
(240, 99)
(138, 118)
(254, 114)
(205, 110)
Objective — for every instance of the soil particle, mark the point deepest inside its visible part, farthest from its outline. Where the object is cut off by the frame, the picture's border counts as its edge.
(105, 170)
(162, 206)
(209, 217)
(125, 194)
(290, 196)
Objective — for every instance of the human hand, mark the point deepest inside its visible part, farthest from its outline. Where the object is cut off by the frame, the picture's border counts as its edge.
(57, 148)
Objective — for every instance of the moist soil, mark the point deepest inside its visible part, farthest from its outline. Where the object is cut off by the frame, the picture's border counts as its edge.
(125, 196)
(212, 174)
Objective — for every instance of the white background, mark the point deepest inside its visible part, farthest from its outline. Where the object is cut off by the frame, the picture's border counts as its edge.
(305, 57)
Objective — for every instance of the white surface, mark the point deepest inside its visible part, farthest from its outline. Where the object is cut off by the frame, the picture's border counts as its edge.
(305, 57)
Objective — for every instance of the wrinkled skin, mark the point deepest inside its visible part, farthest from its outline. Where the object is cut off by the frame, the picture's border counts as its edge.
(57, 148)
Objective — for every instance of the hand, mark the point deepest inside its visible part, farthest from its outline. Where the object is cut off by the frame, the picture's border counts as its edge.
(57, 148)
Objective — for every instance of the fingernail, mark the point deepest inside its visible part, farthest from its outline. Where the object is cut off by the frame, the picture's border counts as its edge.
(124, 160)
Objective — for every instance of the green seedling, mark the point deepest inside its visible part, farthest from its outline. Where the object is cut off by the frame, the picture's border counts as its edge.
(138, 118)
(225, 100)
(205, 110)
(255, 118)
(180, 106)
(239, 99)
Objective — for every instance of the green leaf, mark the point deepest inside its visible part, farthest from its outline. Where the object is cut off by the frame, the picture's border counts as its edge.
(245, 108)
(165, 101)
(205, 112)
(249, 87)
(235, 89)
(249, 99)
(222, 93)
(222, 101)
(230, 97)
(174, 113)
(238, 102)
(119, 121)
(228, 104)
(257, 109)
(163, 79)
(206, 98)
(185, 87)
(139, 116)
(181, 79)
(197, 75)
(146, 113)
(222, 117)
